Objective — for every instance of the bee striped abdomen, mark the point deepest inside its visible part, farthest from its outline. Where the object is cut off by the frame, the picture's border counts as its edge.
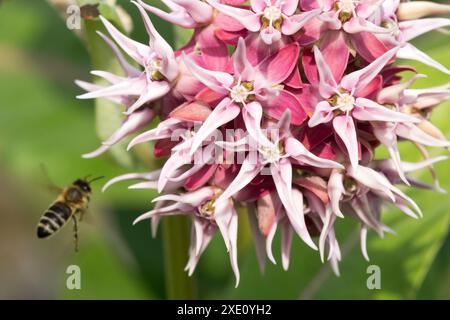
(53, 219)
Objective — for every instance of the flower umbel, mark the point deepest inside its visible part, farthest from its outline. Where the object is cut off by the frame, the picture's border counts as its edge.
(278, 105)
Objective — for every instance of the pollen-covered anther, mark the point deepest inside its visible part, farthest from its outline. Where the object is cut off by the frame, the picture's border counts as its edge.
(242, 92)
(272, 154)
(343, 102)
(207, 209)
(153, 70)
(272, 16)
(350, 186)
(345, 9)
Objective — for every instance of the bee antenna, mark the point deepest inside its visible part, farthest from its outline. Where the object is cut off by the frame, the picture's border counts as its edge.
(95, 179)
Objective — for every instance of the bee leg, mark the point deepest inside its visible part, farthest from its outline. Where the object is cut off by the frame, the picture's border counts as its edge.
(75, 232)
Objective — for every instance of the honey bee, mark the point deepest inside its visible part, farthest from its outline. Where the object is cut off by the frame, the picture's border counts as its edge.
(71, 203)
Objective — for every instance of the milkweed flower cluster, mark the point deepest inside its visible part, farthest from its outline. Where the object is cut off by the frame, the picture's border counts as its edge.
(278, 105)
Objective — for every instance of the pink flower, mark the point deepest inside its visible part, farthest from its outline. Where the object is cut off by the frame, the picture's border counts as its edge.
(208, 215)
(184, 13)
(278, 154)
(346, 102)
(262, 70)
(248, 83)
(271, 18)
(157, 59)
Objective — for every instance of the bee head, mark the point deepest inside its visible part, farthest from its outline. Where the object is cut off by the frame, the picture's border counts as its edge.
(83, 184)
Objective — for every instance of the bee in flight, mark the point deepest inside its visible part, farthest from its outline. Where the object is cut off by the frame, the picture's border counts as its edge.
(71, 203)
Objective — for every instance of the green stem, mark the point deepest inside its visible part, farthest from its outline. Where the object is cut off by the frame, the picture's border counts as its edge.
(176, 245)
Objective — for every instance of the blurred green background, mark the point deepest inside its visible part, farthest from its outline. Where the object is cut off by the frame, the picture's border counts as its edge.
(41, 123)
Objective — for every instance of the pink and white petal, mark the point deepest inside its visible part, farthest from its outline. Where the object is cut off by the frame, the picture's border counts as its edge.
(87, 86)
(138, 51)
(225, 216)
(227, 23)
(191, 112)
(247, 18)
(126, 66)
(412, 132)
(357, 24)
(386, 135)
(286, 243)
(213, 51)
(223, 113)
(258, 237)
(392, 93)
(371, 89)
(286, 101)
(278, 67)
(335, 52)
(108, 76)
(258, 5)
(414, 28)
(357, 80)
(242, 67)
(414, 166)
(368, 45)
(130, 176)
(169, 66)
(295, 149)
(368, 110)
(323, 113)
(269, 241)
(201, 177)
(326, 228)
(288, 7)
(344, 126)
(154, 91)
(172, 209)
(372, 179)
(129, 87)
(408, 51)
(294, 23)
(199, 10)
(249, 170)
(133, 123)
(335, 190)
(215, 80)
(178, 16)
(252, 115)
(270, 35)
(294, 80)
(297, 198)
(292, 201)
(363, 241)
(327, 83)
(310, 67)
(175, 161)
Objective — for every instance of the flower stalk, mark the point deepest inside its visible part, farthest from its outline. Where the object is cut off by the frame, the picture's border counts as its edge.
(176, 234)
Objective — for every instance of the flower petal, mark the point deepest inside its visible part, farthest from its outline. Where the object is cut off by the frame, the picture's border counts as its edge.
(358, 80)
(345, 128)
(278, 67)
(215, 80)
(408, 51)
(327, 83)
(323, 113)
(368, 110)
(295, 149)
(223, 113)
(246, 17)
